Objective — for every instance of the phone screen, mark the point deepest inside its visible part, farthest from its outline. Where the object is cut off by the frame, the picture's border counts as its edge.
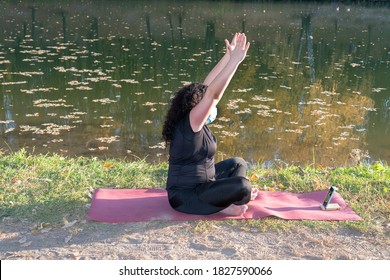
(328, 196)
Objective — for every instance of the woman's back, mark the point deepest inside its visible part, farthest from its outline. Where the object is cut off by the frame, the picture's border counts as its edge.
(191, 156)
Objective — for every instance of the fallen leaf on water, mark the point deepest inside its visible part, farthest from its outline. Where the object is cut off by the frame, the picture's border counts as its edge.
(108, 139)
(378, 89)
(245, 111)
(130, 81)
(262, 98)
(298, 131)
(160, 145)
(232, 134)
(84, 88)
(32, 115)
(243, 90)
(13, 83)
(104, 101)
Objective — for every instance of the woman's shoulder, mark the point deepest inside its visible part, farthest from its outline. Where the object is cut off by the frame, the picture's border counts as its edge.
(184, 126)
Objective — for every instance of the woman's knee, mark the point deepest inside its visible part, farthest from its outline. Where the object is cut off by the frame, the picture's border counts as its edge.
(239, 161)
(238, 166)
(245, 187)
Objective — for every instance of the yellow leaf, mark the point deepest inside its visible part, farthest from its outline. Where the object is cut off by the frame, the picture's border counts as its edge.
(108, 165)
(271, 189)
(254, 177)
(44, 225)
(281, 186)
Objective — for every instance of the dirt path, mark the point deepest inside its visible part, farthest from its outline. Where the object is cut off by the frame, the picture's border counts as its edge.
(182, 240)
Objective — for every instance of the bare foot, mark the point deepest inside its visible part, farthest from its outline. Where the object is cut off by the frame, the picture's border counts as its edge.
(254, 193)
(235, 210)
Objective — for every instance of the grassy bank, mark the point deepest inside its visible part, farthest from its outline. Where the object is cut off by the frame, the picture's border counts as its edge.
(51, 188)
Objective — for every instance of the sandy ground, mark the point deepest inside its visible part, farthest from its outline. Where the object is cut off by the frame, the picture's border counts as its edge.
(159, 240)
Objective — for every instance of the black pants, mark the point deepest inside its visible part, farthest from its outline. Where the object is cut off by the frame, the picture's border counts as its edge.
(230, 187)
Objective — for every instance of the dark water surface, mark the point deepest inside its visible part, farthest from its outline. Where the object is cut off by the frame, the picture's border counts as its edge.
(94, 78)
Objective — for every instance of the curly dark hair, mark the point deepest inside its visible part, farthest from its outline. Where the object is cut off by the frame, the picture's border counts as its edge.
(182, 102)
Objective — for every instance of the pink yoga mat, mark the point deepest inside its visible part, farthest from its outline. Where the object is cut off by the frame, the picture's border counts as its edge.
(140, 205)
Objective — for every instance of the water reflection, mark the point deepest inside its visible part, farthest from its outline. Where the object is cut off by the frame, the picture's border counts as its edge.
(306, 35)
(87, 78)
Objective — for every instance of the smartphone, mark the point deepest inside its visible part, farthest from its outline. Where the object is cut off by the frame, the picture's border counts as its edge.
(329, 196)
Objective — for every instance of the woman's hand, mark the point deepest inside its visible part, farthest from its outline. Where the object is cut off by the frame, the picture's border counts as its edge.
(224, 60)
(218, 80)
(238, 48)
(232, 45)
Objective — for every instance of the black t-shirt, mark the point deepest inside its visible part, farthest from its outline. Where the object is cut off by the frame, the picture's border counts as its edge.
(191, 156)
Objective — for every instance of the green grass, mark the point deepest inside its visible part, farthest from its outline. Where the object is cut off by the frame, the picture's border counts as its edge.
(366, 188)
(48, 188)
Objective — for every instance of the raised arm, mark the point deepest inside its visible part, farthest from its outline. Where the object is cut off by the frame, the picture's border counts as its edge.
(222, 63)
(219, 83)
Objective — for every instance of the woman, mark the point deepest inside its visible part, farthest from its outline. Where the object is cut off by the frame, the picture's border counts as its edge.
(195, 184)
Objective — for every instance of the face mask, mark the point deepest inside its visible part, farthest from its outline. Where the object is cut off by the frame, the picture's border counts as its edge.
(212, 116)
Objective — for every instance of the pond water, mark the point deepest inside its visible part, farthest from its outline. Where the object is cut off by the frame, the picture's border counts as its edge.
(94, 78)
